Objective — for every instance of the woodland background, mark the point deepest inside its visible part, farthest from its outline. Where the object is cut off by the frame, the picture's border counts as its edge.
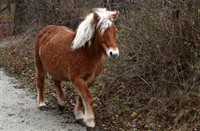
(155, 83)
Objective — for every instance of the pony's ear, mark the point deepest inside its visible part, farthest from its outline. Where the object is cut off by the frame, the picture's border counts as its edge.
(115, 15)
(95, 16)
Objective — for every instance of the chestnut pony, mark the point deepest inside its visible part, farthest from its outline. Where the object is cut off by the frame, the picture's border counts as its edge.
(77, 57)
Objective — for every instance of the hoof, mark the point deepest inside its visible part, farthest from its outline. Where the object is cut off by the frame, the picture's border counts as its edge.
(80, 122)
(43, 108)
(91, 129)
(60, 107)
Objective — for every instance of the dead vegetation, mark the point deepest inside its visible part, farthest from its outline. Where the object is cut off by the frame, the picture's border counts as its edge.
(154, 85)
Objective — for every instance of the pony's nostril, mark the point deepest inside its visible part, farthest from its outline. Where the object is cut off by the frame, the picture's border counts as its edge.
(111, 54)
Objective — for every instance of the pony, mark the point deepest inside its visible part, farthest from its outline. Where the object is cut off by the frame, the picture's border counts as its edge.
(76, 56)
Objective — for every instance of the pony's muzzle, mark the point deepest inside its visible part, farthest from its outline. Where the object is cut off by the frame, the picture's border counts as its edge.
(113, 53)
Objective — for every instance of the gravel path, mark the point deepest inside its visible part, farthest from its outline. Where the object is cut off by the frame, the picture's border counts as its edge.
(19, 112)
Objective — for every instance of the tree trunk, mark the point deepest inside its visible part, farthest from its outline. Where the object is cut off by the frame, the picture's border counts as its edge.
(20, 22)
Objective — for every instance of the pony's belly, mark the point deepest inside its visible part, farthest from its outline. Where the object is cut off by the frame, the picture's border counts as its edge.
(55, 68)
(59, 76)
(57, 73)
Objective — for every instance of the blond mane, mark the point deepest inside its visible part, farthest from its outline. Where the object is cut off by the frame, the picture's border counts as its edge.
(86, 29)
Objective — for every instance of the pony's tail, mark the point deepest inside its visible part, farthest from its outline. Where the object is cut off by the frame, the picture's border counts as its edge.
(37, 59)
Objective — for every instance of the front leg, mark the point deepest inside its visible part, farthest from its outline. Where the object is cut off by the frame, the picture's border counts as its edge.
(87, 102)
(79, 107)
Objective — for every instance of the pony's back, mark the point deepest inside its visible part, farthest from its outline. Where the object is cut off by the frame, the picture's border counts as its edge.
(49, 32)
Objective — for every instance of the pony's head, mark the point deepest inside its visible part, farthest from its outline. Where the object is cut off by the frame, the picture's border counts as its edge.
(99, 25)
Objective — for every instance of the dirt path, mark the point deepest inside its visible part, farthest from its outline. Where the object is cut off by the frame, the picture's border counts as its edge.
(19, 112)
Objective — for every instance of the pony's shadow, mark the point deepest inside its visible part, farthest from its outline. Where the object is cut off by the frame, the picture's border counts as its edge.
(68, 116)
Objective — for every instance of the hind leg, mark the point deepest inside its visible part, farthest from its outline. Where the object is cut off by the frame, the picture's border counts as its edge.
(78, 110)
(60, 95)
(40, 76)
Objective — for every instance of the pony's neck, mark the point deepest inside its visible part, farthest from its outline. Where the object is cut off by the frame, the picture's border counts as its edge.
(95, 50)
